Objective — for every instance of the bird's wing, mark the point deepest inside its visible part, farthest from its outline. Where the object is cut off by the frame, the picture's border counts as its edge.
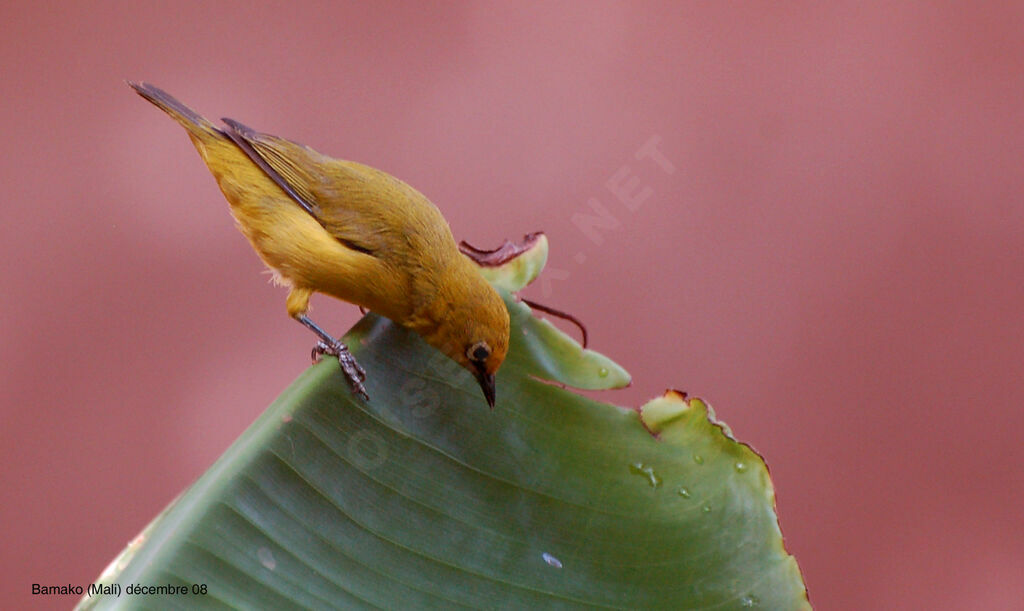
(331, 191)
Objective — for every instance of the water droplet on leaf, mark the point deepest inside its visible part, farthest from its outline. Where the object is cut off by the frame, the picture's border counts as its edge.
(684, 492)
(741, 467)
(706, 508)
(551, 560)
(697, 458)
(602, 372)
(647, 471)
(266, 558)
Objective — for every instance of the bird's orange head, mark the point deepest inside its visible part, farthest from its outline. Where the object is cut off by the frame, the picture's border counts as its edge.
(472, 326)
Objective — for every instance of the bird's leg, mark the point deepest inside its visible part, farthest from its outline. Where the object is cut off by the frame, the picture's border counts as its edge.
(298, 304)
(334, 347)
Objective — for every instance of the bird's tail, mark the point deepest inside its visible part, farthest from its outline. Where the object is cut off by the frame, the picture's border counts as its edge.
(197, 125)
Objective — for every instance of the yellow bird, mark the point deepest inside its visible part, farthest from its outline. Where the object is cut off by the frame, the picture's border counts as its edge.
(353, 232)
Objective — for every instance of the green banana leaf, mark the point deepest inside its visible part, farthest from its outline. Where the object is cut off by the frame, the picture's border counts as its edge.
(425, 498)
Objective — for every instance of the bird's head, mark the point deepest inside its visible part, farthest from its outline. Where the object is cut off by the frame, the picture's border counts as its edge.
(473, 330)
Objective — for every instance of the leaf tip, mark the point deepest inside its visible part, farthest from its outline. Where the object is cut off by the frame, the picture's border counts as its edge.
(671, 406)
(513, 265)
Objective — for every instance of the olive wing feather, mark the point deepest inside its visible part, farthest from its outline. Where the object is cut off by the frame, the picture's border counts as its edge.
(340, 197)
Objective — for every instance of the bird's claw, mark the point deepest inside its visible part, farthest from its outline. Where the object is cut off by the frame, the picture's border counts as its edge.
(319, 350)
(356, 375)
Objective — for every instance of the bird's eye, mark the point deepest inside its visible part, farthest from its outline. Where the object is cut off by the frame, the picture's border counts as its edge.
(478, 352)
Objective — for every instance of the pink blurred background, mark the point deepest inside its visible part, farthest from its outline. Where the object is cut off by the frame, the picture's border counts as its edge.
(836, 261)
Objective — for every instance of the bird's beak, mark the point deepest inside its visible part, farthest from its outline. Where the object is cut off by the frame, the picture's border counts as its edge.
(487, 385)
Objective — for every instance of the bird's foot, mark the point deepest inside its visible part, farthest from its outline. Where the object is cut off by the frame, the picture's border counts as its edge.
(356, 375)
